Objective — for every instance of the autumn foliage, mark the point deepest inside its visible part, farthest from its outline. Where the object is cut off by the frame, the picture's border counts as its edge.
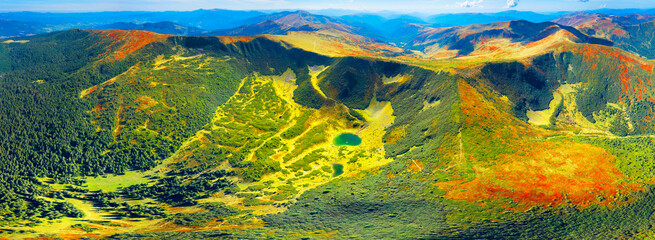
(525, 168)
(126, 42)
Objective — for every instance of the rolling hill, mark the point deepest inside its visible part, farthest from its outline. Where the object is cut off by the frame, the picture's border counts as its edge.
(492, 39)
(9, 28)
(283, 22)
(158, 27)
(210, 19)
(312, 128)
(629, 32)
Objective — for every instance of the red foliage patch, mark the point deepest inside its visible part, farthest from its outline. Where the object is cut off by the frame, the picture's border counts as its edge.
(416, 165)
(619, 32)
(536, 172)
(229, 39)
(549, 174)
(129, 41)
(633, 87)
(145, 102)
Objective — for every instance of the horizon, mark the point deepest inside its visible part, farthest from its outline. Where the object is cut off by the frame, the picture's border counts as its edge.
(321, 11)
(354, 6)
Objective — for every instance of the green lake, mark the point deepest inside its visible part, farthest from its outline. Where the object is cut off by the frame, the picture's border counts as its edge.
(347, 139)
(338, 169)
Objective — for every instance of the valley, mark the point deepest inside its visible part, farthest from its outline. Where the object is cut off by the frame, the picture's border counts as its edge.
(314, 127)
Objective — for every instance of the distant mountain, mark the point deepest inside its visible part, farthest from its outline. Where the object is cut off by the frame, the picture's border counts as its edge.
(375, 21)
(295, 18)
(391, 29)
(458, 19)
(466, 39)
(204, 19)
(158, 27)
(528, 15)
(265, 27)
(9, 28)
(333, 12)
(283, 22)
(590, 18)
(632, 32)
(623, 12)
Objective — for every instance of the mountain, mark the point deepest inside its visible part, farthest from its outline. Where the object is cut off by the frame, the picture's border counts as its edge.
(459, 19)
(205, 19)
(624, 11)
(585, 18)
(284, 22)
(315, 130)
(265, 27)
(384, 25)
(289, 21)
(372, 20)
(528, 16)
(629, 32)
(9, 28)
(158, 27)
(494, 39)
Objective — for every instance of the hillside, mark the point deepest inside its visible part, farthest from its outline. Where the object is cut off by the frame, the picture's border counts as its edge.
(158, 27)
(631, 32)
(492, 40)
(284, 22)
(311, 128)
(9, 28)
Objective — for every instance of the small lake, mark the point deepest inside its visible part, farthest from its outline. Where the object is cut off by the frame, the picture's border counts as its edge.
(347, 139)
(338, 169)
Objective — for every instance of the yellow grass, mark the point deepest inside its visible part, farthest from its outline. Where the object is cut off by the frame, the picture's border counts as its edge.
(397, 79)
(314, 72)
(428, 105)
(543, 117)
(14, 41)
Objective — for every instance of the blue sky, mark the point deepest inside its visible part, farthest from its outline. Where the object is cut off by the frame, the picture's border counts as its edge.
(426, 6)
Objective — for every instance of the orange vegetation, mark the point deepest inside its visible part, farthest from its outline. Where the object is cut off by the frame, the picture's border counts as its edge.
(129, 41)
(534, 172)
(228, 39)
(633, 87)
(548, 174)
(145, 102)
(416, 165)
(619, 32)
(117, 129)
(88, 91)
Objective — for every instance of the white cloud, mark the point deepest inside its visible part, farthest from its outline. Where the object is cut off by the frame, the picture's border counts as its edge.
(603, 5)
(470, 4)
(512, 3)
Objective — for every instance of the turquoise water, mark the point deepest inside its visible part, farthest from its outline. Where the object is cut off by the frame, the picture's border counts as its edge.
(347, 139)
(338, 169)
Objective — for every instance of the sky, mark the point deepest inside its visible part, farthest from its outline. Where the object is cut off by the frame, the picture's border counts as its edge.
(424, 6)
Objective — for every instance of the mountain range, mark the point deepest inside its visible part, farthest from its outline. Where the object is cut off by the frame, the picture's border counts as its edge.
(287, 125)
